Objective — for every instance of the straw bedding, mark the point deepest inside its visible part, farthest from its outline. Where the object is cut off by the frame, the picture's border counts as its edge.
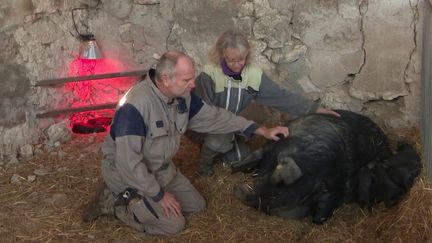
(49, 208)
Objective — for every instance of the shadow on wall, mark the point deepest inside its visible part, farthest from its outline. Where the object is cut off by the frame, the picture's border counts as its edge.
(13, 94)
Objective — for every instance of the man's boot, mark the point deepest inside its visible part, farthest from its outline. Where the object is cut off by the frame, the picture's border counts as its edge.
(239, 152)
(101, 204)
(205, 166)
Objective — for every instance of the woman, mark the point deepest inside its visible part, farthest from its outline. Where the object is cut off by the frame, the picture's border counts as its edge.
(230, 81)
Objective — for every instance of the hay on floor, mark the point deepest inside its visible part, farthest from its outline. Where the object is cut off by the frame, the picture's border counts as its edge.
(49, 208)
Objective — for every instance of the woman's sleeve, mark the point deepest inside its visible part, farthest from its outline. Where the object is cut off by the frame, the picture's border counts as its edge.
(205, 88)
(272, 95)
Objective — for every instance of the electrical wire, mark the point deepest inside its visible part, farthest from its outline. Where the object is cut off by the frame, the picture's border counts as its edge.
(80, 36)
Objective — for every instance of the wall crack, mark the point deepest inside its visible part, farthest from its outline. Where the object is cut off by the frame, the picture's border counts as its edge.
(171, 29)
(415, 19)
(363, 8)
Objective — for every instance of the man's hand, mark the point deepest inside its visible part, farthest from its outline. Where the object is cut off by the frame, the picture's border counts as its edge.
(170, 205)
(271, 133)
(323, 110)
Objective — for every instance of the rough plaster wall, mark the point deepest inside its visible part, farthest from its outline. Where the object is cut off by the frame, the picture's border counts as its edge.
(361, 55)
(335, 51)
(385, 60)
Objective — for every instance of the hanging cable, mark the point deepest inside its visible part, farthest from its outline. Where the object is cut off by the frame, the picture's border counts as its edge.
(80, 36)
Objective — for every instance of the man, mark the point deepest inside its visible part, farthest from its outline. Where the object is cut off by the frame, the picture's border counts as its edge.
(152, 194)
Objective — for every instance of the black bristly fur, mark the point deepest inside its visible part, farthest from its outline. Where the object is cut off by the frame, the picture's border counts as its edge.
(342, 159)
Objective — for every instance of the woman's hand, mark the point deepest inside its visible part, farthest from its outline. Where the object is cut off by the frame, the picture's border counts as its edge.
(271, 133)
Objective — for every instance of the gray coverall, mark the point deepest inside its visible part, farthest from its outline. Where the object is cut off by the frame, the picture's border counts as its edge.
(144, 137)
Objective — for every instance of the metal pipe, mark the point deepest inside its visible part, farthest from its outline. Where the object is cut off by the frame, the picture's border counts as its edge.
(55, 81)
(51, 113)
(426, 77)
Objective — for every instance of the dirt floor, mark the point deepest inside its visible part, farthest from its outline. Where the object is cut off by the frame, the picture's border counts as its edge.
(49, 192)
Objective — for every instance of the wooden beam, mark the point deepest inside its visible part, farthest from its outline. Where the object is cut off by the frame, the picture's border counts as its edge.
(52, 113)
(56, 81)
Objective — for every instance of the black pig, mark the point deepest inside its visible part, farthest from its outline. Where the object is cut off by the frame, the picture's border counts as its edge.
(326, 161)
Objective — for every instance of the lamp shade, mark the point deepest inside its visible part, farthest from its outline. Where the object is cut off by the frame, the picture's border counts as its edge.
(89, 50)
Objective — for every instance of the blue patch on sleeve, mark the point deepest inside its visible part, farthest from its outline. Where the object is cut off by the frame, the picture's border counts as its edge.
(182, 107)
(127, 121)
(159, 124)
(249, 132)
(195, 105)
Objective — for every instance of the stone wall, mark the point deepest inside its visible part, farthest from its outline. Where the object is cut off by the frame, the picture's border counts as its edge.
(362, 55)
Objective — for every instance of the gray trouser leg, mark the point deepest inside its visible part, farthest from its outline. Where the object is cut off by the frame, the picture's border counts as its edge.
(220, 143)
(205, 163)
(147, 216)
(189, 198)
(239, 151)
(214, 144)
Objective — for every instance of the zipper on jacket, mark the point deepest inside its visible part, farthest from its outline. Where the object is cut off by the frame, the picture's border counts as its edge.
(228, 95)
(238, 99)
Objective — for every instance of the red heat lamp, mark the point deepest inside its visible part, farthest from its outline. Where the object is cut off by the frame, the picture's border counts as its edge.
(90, 65)
(89, 49)
(85, 64)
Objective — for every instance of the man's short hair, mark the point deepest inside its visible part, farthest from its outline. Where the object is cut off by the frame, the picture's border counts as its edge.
(167, 63)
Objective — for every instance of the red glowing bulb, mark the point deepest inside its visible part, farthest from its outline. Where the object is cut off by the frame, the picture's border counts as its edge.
(95, 91)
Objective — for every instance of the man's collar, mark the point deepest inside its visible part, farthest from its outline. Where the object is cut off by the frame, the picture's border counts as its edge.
(152, 75)
(164, 98)
(157, 91)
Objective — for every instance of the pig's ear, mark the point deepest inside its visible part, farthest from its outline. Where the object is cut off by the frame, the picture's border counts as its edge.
(286, 171)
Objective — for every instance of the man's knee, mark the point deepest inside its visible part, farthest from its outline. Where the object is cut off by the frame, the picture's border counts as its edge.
(160, 225)
(168, 226)
(123, 214)
(200, 205)
(221, 143)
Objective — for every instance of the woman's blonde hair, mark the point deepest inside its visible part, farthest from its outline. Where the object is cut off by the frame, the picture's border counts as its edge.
(229, 39)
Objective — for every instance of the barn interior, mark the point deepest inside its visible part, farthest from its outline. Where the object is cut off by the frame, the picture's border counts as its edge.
(66, 64)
